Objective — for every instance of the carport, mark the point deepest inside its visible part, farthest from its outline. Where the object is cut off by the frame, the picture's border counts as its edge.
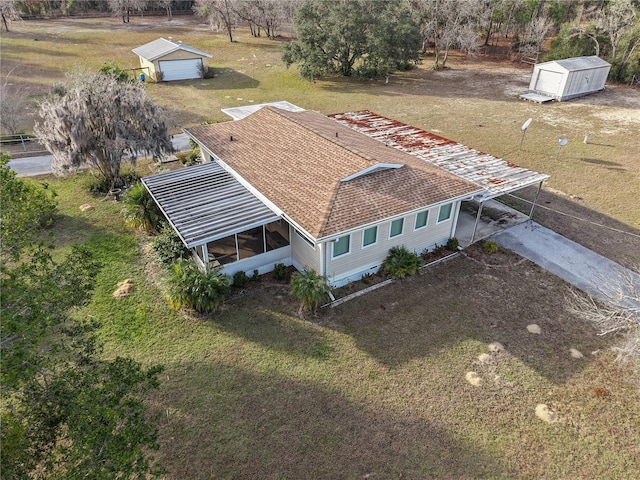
(496, 176)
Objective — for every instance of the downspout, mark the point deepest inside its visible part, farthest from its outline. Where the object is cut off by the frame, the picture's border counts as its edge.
(323, 267)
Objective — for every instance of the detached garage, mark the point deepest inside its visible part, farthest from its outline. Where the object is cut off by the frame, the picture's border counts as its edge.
(569, 78)
(166, 60)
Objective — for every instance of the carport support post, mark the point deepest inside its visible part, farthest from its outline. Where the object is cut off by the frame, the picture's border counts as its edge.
(475, 227)
(533, 205)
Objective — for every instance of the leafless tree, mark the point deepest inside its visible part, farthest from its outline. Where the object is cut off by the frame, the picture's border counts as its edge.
(615, 19)
(451, 24)
(8, 13)
(267, 15)
(535, 33)
(166, 5)
(615, 311)
(12, 106)
(101, 121)
(219, 13)
(125, 7)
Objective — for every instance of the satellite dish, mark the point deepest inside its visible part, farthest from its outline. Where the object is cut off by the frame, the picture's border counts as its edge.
(562, 141)
(526, 124)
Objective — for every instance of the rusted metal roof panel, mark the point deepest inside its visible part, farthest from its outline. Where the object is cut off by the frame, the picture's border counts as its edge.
(495, 175)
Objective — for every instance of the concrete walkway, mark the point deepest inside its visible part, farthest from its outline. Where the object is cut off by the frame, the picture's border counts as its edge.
(41, 165)
(590, 272)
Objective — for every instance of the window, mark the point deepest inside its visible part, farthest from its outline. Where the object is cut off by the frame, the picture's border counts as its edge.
(421, 219)
(341, 246)
(370, 236)
(445, 212)
(396, 228)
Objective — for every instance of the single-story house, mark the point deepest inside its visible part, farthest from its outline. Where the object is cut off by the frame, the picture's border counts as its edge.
(166, 60)
(569, 78)
(304, 189)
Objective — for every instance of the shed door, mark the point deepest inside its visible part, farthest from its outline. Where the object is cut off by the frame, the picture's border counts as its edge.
(180, 69)
(548, 82)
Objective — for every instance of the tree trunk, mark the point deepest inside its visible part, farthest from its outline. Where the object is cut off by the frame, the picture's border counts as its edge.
(4, 20)
(229, 31)
(486, 40)
(446, 55)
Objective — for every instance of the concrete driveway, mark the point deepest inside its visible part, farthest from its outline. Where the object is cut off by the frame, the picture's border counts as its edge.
(590, 272)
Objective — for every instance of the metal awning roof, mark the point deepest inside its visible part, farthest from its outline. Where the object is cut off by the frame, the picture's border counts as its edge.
(205, 203)
(495, 175)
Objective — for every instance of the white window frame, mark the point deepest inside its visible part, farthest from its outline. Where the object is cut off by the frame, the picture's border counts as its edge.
(391, 227)
(333, 247)
(450, 212)
(426, 220)
(363, 236)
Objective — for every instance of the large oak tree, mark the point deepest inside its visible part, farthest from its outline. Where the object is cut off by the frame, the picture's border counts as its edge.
(345, 37)
(100, 120)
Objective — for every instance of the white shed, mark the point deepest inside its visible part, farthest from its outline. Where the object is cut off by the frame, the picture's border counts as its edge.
(569, 78)
(168, 60)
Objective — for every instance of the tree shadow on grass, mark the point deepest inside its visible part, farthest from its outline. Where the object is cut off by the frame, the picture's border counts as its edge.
(226, 79)
(466, 304)
(267, 319)
(225, 422)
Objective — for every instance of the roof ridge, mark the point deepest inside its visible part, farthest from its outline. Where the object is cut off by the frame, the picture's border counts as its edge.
(286, 114)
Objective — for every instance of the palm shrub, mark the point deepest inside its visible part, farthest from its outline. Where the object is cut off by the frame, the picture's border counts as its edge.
(310, 288)
(140, 210)
(191, 288)
(400, 262)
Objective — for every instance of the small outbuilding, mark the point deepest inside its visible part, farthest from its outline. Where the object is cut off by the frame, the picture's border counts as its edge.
(569, 78)
(166, 60)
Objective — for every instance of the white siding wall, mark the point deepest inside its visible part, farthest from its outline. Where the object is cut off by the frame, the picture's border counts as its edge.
(263, 263)
(303, 254)
(359, 259)
(584, 81)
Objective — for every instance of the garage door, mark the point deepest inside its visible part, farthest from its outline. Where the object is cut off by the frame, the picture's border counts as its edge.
(180, 69)
(548, 82)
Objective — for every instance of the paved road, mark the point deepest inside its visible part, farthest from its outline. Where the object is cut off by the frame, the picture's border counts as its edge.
(577, 265)
(41, 165)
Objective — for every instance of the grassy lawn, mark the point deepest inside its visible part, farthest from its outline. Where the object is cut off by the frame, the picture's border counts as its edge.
(376, 387)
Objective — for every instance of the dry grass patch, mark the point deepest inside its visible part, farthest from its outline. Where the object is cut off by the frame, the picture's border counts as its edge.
(255, 392)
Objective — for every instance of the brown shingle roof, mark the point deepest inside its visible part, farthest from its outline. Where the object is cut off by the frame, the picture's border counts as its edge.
(297, 159)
